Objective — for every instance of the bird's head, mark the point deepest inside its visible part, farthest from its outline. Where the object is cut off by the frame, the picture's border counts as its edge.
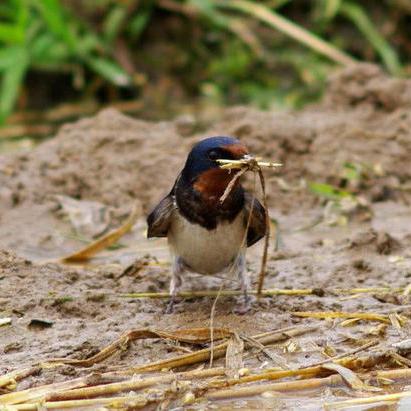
(203, 171)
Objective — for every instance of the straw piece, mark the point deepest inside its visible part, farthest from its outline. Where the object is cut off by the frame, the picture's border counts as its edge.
(272, 292)
(340, 314)
(368, 400)
(246, 164)
(299, 385)
(18, 375)
(189, 335)
(134, 401)
(225, 293)
(311, 383)
(109, 389)
(36, 393)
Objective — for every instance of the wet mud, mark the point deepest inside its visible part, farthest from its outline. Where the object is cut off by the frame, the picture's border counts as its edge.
(327, 241)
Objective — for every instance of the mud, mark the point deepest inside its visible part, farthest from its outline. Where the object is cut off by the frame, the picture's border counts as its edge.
(364, 119)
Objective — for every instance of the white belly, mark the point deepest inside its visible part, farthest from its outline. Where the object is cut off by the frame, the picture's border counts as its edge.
(206, 251)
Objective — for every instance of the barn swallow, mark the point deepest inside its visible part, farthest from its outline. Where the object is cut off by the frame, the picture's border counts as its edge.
(206, 235)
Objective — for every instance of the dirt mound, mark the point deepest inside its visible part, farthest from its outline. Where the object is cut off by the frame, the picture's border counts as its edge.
(364, 119)
(367, 87)
(110, 158)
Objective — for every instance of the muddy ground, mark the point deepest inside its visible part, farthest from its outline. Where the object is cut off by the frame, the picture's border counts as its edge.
(116, 161)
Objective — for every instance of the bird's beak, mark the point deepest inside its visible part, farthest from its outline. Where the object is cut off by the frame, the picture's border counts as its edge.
(247, 157)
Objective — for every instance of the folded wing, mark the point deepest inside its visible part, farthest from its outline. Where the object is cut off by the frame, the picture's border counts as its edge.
(159, 219)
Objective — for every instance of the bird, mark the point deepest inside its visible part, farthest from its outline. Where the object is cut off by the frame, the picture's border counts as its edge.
(206, 235)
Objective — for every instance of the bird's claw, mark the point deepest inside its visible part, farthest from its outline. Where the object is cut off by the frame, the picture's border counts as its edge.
(245, 306)
(170, 306)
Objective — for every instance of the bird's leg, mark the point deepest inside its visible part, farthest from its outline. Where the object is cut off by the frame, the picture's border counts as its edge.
(245, 283)
(175, 283)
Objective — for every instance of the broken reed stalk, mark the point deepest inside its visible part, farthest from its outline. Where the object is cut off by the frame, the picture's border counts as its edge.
(39, 393)
(299, 385)
(36, 393)
(72, 389)
(368, 400)
(254, 165)
(110, 389)
(12, 377)
(133, 384)
(191, 336)
(129, 401)
(219, 351)
(316, 369)
(184, 359)
(347, 354)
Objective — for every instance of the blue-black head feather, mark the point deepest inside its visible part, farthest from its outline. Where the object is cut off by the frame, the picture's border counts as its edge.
(203, 155)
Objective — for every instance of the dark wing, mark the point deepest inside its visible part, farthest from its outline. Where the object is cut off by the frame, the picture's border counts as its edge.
(258, 226)
(159, 219)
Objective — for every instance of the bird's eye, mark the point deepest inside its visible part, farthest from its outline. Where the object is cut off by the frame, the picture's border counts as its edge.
(214, 155)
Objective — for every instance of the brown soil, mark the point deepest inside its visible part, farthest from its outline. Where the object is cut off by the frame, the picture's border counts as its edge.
(364, 119)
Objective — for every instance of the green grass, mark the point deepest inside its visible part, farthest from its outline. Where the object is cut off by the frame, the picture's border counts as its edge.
(42, 35)
(265, 53)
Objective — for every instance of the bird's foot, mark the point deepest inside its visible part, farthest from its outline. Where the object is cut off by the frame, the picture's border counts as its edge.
(244, 306)
(170, 306)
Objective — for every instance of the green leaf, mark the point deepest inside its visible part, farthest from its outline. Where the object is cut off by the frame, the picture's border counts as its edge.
(113, 22)
(109, 70)
(11, 56)
(328, 191)
(57, 21)
(46, 49)
(352, 171)
(11, 34)
(88, 43)
(360, 18)
(12, 80)
(139, 23)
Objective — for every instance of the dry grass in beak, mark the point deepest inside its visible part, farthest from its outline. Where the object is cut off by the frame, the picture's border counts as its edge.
(254, 164)
(248, 162)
